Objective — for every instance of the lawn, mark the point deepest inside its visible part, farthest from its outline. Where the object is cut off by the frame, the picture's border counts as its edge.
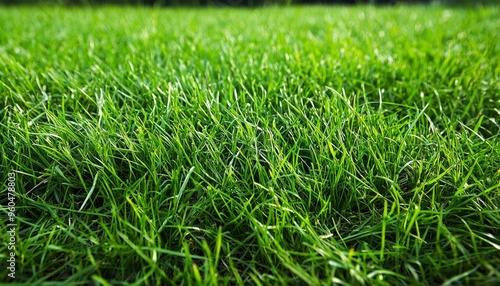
(299, 145)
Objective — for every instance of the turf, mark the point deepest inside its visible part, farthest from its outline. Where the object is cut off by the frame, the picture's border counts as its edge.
(300, 145)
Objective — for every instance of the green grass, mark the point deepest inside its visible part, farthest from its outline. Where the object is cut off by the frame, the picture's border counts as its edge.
(314, 145)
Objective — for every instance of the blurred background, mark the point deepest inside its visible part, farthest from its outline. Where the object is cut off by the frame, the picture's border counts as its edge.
(247, 3)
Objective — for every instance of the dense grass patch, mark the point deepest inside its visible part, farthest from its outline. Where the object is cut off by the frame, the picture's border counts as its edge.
(316, 145)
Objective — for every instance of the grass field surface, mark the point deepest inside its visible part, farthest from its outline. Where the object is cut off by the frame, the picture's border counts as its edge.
(301, 145)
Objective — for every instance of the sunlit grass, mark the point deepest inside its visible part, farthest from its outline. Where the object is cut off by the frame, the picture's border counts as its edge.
(316, 145)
